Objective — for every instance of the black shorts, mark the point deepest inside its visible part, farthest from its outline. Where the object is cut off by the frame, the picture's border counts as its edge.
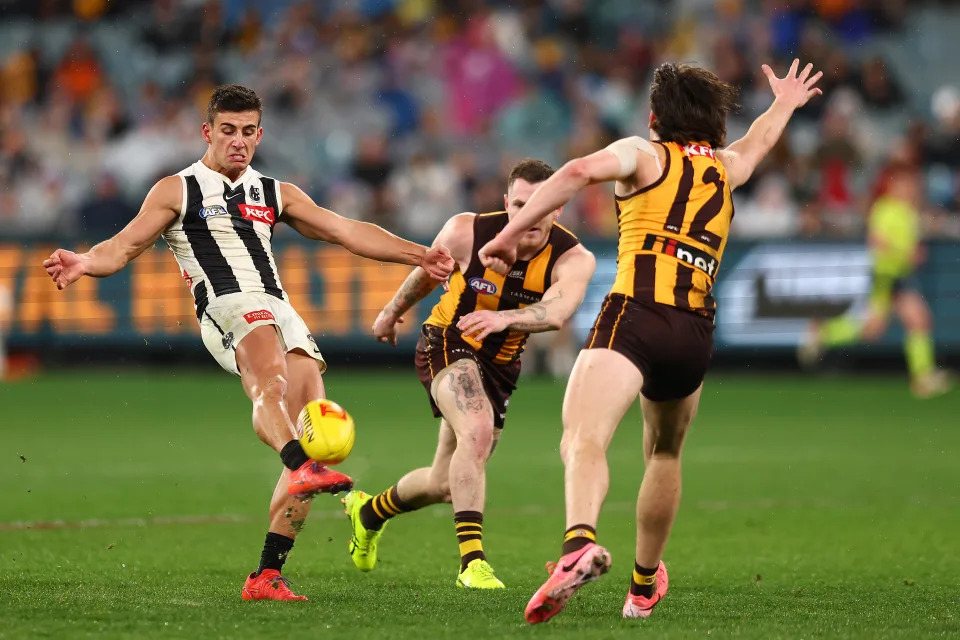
(671, 347)
(440, 347)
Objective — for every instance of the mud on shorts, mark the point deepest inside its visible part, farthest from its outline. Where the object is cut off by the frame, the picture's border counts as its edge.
(440, 347)
(228, 319)
(671, 347)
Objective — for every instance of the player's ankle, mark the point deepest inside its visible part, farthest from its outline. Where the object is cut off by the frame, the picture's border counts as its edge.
(293, 455)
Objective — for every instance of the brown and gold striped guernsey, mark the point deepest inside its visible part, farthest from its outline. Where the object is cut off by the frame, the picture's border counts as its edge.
(673, 232)
(482, 289)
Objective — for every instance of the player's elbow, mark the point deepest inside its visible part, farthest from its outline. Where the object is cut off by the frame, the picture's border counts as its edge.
(577, 171)
(554, 323)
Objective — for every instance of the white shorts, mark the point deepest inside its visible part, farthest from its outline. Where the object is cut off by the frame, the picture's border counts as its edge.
(228, 320)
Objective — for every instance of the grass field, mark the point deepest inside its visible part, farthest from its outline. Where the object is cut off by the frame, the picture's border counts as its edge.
(812, 508)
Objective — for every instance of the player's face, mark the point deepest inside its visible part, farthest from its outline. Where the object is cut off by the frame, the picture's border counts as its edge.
(517, 195)
(233, 138)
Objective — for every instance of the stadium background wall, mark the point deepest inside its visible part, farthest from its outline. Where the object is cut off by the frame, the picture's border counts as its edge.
(766, 294)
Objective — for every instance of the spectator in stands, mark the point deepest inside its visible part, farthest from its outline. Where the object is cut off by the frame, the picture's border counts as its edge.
(106, 211)
(79, 73)
(877, 86)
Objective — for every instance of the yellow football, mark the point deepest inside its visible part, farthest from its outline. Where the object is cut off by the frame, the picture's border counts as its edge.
(326, 431)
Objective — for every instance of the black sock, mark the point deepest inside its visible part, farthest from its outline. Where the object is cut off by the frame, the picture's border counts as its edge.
(577, 537)
(276, 548)
(381, 508)
(644, 581)
(469, 525)
(293, 455)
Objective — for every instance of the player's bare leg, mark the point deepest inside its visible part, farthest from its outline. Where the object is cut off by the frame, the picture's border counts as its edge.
(287, 512)
(417, 489)
(458, 391)
(263, 372)
(665, 426)
(925, 379)
(431, 485)
(601, 389)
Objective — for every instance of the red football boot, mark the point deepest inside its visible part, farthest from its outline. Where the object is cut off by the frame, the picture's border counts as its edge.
(642, 607)
(269, 585)
(566, 577)
(313, 478)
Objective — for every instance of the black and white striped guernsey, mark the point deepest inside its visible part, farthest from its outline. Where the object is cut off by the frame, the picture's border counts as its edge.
(222, 238)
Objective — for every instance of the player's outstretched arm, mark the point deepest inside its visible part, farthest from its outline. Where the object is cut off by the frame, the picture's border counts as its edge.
(790, 93)
(457, 236)
(160, 208)
(602, 166)
(360, 238)
(572, 274)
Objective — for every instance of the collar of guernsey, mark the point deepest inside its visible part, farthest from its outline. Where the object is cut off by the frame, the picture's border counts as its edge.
(482, 289)
(673, 231)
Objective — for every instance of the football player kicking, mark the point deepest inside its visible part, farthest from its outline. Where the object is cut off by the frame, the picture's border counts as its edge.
(218, 216)
(468, 359)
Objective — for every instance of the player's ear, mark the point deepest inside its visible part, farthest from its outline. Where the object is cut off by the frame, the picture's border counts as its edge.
(556, 214)
(259, 134)
(652, 120)
(505, 200)
(206, 130)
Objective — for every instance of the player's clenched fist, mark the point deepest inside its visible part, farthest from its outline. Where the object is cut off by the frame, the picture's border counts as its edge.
(479, 324)
(498, 256)
(438, 263)
(385, 327)
(64, 267)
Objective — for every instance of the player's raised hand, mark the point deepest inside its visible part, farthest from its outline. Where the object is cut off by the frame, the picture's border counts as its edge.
(792, 89)
(385, 328)
(480, 324)
(498, 256)
(64, 267)
(438, 263)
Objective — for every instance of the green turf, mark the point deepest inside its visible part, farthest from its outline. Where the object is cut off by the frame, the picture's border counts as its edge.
(812, 508)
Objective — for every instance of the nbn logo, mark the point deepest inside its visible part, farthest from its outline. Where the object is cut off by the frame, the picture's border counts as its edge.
(483, 286)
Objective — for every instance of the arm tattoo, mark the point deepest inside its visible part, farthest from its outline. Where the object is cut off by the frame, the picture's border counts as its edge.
(415, 288)
(531, 319)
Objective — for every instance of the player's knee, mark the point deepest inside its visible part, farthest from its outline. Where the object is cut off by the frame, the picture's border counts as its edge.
(477, 437)
(667, 440)
(272, 387)
(576, 444)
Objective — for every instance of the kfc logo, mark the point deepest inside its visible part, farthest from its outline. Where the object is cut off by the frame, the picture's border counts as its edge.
(257, 213)
(699, 150)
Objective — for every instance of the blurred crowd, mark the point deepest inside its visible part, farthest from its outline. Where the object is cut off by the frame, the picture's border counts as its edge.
(404, 112)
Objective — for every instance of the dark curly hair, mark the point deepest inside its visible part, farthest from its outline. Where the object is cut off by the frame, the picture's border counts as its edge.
(690, 104)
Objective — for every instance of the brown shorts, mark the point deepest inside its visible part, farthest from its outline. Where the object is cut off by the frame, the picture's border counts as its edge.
(438, 348)
(671, 347)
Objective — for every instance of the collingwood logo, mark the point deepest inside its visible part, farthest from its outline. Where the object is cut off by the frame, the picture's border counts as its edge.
(682, 252)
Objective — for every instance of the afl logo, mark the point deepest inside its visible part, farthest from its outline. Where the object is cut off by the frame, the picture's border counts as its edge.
(213, 211)
(483, 286)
